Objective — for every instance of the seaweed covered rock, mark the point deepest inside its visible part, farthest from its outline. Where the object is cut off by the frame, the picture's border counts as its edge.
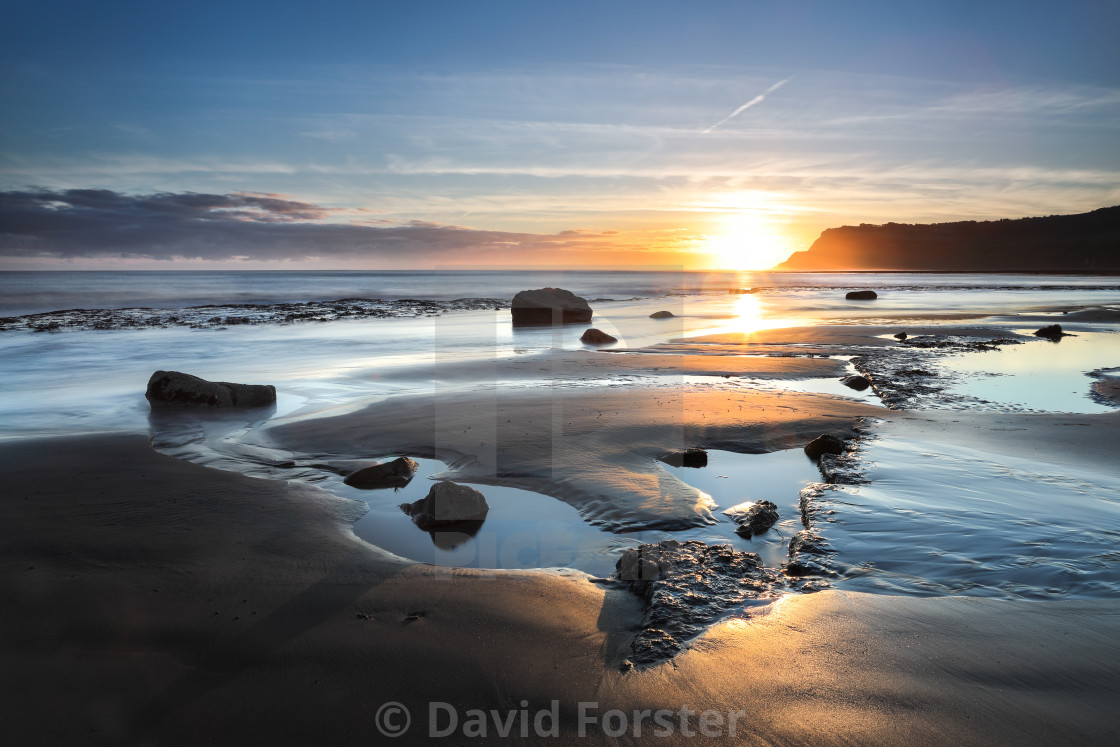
(686, 587)
(176, 389)
(447, 504)
(549, 306)
(394, 474)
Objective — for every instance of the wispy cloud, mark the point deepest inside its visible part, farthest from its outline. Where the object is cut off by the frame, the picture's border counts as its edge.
(756, 100)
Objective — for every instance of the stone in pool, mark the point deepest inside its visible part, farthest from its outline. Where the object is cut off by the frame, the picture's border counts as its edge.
(661, 315)
(753, 518)
(394, 474)
(1053, 332)
(859, 383)
(864, 295)
(447, 504)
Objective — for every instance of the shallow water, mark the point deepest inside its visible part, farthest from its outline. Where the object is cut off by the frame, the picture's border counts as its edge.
(934, 520)
(938, 520)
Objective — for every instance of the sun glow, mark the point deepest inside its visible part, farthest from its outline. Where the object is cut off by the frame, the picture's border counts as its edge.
(747, 243)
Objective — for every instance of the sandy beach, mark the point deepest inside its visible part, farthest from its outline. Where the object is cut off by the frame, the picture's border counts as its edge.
(149, 600)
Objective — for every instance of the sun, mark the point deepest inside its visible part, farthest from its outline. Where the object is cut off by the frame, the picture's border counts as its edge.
(746, 243)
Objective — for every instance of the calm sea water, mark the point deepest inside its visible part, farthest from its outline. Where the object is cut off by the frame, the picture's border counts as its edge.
(93, 381)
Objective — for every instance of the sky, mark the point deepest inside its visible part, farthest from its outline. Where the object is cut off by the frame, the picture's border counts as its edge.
(694, 135)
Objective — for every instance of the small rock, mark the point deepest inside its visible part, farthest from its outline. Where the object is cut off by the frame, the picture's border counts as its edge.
(394, 474)
(447, 503)
(859, 383)
(693, 457)
(753, 518)
(549, 306)
(175, 389)
(595, 336)
(901, 336)
(662, 315)
(1052, 332)
(824, 444)
(864, 295)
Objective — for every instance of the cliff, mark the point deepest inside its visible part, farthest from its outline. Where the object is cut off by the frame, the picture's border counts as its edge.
(1087, 242)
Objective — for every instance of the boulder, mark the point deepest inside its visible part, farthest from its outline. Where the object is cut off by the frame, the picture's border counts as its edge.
(549, 306)
(597, 337)
(859, 383)
(693, 457)
(447, 503)
(901, 336)
(175, 389)
(824, 444)
(394, 474)
(1053, 332)
(662, 315)
(753, 518)
(865, 295)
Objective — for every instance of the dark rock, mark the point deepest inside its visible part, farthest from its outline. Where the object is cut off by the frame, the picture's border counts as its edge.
(859, 383)
(549, 306)
(597, 337)
(824, 444)
(1052, 332)
(175, 389)
(694, 457)
(662, 315)
(753, 518)
(864, 295)
(810, 555)
(686, 587)
(901, 336)
(394, 474)
(447, 503)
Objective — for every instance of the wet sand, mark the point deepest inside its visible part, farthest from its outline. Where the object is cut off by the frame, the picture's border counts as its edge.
(153, 601)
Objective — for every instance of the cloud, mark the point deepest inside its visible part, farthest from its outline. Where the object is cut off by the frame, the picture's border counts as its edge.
(756, 100)
(100, 223)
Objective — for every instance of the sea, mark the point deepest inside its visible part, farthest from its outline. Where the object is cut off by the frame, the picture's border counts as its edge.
(77, 349)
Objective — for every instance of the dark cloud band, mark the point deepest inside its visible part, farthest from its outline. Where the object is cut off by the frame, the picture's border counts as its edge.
(91, 223)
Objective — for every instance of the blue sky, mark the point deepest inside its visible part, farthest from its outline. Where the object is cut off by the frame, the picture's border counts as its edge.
(612, 133)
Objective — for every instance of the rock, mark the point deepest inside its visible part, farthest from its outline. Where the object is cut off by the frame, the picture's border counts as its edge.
(1053, 332)
(394, 474)
(549, 306)
(693, 457)
(901, 336)
(859, 383)
(753, 518)
(865, 295)
(175, 389)
(597, 337)
(662, 315)
(686, 587)
(824, 444)
(447, 503)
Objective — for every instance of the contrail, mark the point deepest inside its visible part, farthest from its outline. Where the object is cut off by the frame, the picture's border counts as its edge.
(756, 100)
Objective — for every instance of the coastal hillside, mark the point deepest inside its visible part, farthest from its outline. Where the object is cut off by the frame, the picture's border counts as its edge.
(1087, 242)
